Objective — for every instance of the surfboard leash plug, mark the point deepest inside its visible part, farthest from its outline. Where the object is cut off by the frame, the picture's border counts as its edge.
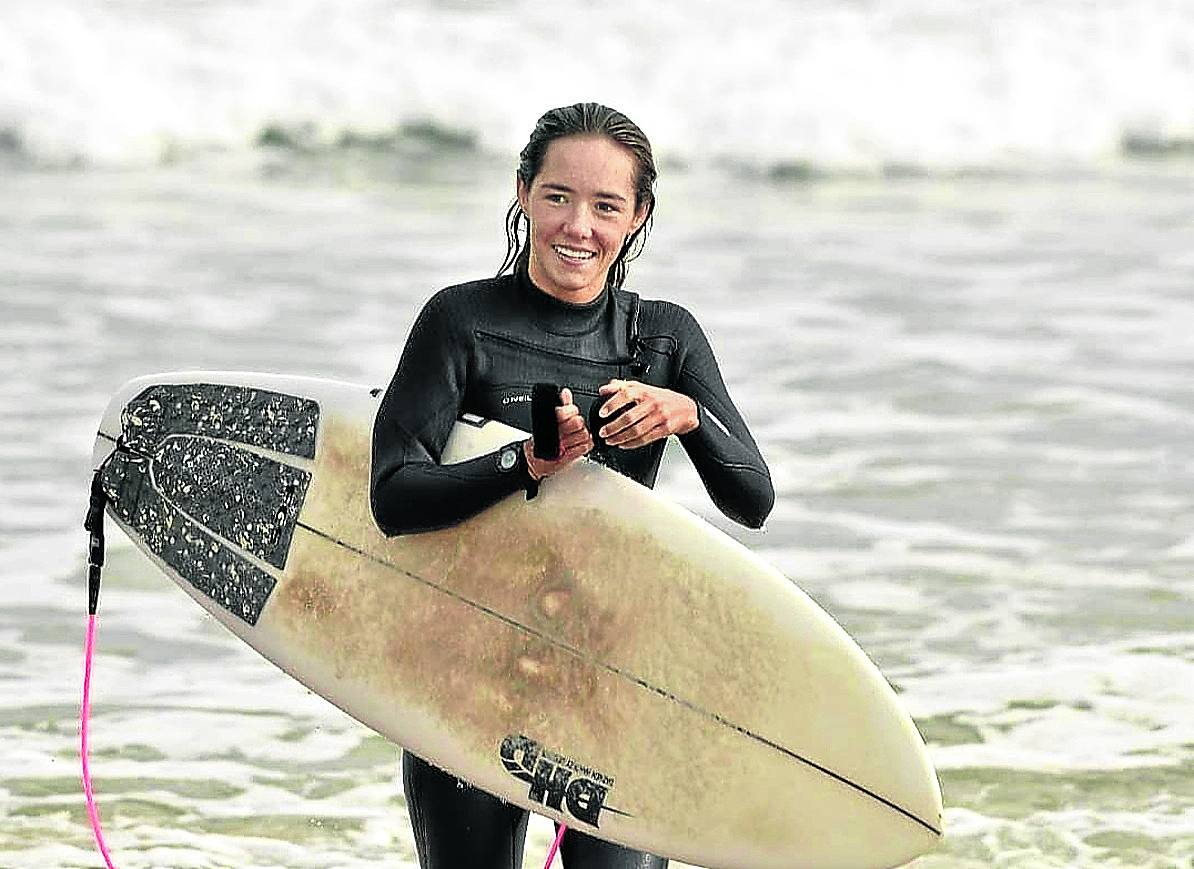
(94, 525)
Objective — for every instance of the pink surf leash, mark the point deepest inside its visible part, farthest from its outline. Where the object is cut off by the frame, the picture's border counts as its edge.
(555, 846)
(94, 524)
(84, 721)
(84, 718)
(95, 562)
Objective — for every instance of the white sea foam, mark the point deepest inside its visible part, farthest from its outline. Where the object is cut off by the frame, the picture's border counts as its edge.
(1132, 708)
(830, 85)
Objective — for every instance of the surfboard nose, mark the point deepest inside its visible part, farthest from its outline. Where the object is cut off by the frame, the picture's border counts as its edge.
(917, 803)
(915, 790)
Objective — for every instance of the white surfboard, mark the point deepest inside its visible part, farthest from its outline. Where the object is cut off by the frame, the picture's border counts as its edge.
(598, 654)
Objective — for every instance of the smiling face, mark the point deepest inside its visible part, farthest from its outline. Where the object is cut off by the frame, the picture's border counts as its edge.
(581, 208)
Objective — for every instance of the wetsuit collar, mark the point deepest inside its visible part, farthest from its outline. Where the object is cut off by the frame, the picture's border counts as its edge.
(555, 315)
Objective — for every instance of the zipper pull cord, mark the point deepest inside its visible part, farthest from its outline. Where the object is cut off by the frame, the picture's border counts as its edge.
(634, 346)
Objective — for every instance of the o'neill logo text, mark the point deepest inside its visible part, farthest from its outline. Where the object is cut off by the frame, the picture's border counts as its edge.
(556, 780)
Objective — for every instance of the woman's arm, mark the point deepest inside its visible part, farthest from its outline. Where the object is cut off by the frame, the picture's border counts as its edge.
(409, 489)
(721, 447)
(699, 411)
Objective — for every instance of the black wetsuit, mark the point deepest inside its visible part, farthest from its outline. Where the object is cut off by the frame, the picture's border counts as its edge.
(480, 348)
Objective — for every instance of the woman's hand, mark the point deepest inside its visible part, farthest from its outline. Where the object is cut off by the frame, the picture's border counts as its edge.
(575, 440)
(651, 414)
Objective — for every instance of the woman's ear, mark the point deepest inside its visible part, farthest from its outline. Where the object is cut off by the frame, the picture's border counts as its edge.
(640, 217)
(520, 190)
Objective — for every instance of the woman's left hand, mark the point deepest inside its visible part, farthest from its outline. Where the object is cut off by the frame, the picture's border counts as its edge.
(651, 414)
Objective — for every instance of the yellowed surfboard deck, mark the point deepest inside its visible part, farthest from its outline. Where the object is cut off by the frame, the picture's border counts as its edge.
(597, 654)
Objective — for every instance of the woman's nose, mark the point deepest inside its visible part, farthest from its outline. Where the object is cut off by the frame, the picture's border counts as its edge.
(579, 223)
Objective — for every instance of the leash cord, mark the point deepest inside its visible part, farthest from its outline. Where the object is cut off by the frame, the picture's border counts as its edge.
(555, 846)
(84, 719)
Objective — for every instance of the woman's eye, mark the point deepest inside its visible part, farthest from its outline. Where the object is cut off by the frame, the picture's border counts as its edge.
(607, 207)
(555, 197)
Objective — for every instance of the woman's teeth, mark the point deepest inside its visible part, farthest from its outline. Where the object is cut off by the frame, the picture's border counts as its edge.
(573, 254)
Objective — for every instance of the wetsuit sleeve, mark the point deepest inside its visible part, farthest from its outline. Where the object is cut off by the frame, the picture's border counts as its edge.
(721, 448)
(409, 489)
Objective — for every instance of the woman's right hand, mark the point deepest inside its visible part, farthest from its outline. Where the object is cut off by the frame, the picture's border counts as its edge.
(575, 440)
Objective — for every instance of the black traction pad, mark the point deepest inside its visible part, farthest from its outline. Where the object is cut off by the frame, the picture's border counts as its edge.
(179, 479)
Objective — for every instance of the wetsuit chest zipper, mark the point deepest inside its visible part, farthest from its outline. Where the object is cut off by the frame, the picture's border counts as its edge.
(558, 354)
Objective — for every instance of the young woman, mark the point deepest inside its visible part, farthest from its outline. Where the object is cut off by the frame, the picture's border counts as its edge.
(634, 372)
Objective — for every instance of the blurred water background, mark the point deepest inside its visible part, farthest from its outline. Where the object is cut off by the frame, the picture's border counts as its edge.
(943, 249)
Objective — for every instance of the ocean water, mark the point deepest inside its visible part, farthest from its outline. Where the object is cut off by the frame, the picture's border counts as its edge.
(858, 85)
(944, 258)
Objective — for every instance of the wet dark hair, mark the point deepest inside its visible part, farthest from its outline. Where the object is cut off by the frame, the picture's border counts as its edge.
(584, 119)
